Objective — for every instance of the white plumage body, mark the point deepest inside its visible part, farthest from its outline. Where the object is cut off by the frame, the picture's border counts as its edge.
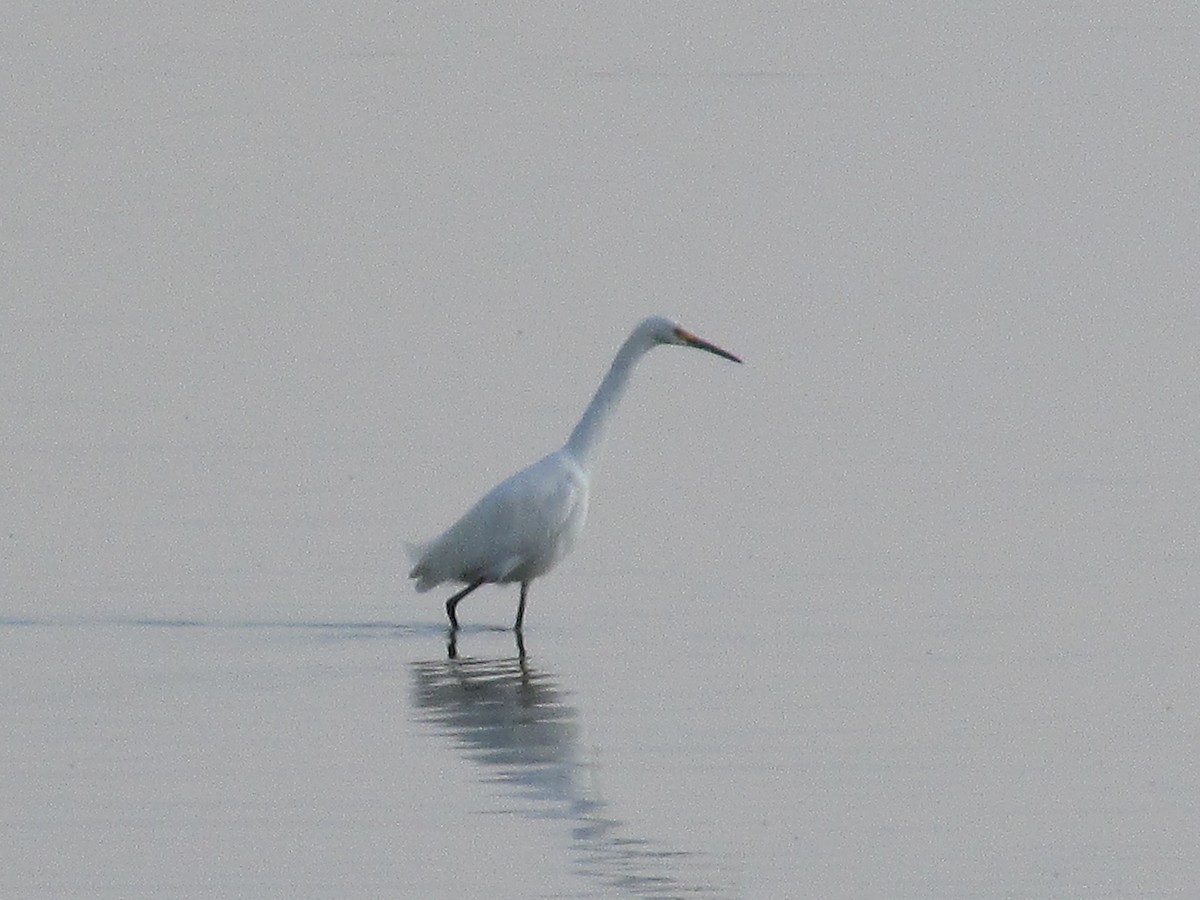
(517, 531)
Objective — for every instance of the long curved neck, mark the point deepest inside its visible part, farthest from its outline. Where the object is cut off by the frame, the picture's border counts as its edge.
(584, 442)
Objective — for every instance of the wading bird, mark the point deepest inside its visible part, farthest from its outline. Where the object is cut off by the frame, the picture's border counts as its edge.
(524, 525)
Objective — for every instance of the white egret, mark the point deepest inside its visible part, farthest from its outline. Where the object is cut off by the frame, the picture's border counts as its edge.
(531, 520)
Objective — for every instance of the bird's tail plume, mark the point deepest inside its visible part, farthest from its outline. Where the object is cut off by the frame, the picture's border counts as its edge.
(415, 551)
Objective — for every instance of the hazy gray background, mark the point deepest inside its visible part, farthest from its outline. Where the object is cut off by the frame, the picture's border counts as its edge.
(904, 607)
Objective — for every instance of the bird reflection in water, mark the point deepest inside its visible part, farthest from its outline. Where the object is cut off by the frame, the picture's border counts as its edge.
(514, 722)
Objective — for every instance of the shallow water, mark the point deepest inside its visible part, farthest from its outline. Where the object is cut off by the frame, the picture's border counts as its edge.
(300, 759)
(986, 743)
(903, 607)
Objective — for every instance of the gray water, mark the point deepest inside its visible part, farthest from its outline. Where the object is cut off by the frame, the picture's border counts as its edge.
(905, 607)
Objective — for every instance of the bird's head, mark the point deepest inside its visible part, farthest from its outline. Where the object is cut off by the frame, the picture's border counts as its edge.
(664, 331)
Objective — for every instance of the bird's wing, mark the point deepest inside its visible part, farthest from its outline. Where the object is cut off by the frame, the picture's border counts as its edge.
(520, 520)
(552, 514)
(529, 515)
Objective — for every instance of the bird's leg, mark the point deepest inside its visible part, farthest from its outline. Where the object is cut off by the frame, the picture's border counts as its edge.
(452, 603)
(521, 607)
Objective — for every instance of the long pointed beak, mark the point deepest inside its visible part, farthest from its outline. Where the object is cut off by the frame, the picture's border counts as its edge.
(692, 341)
